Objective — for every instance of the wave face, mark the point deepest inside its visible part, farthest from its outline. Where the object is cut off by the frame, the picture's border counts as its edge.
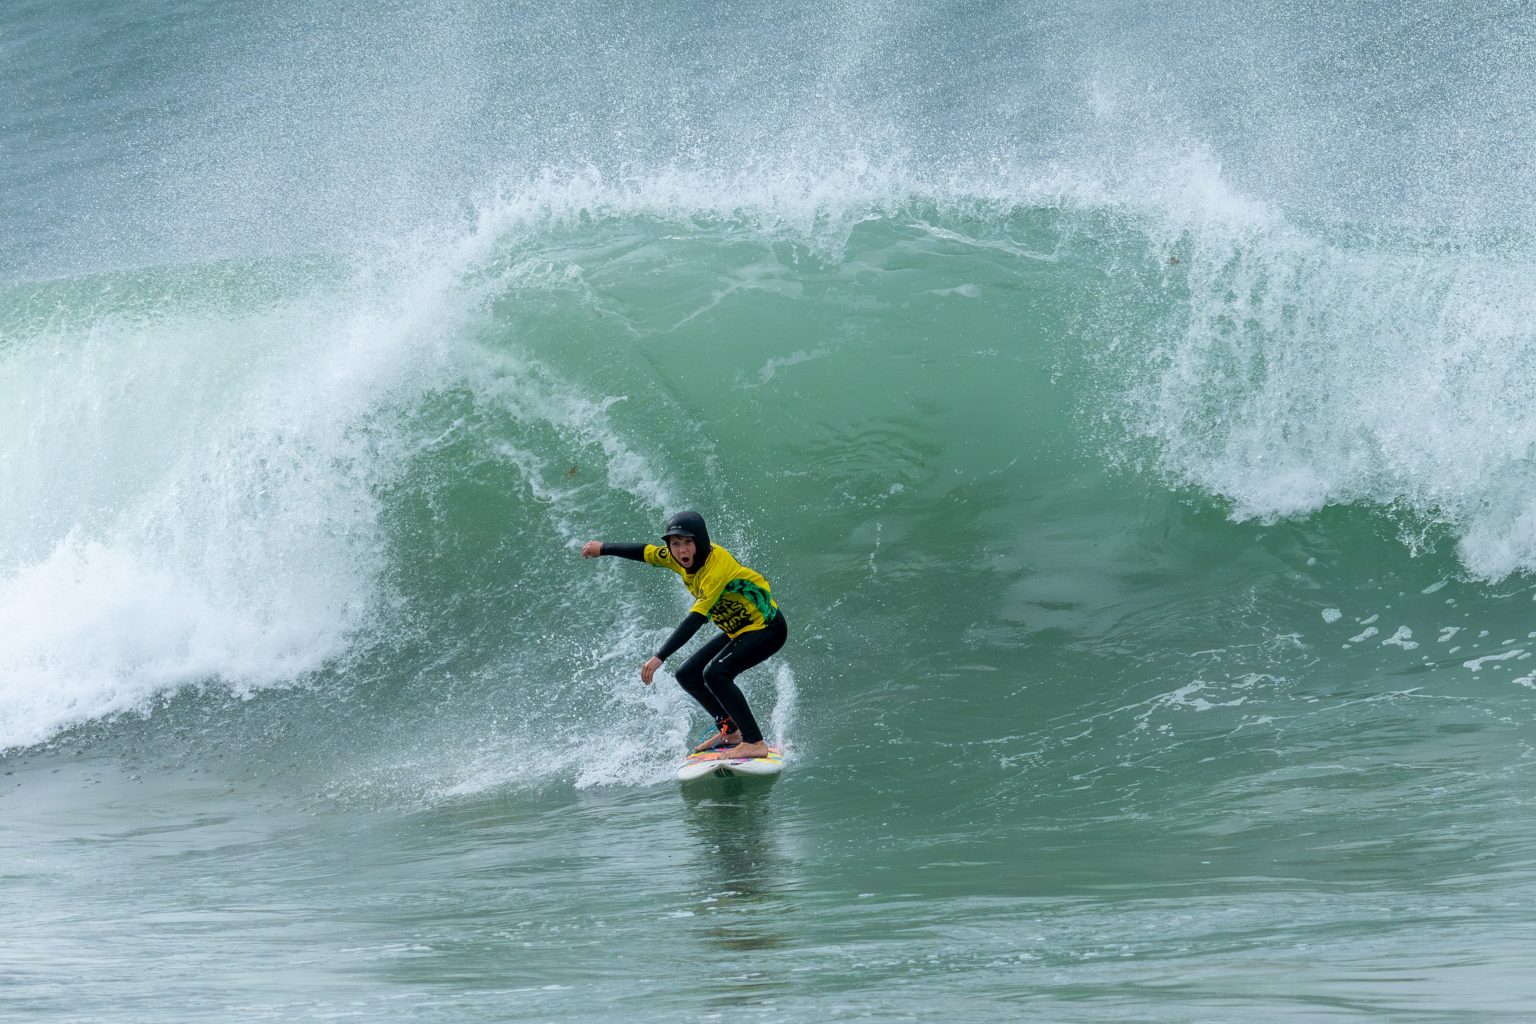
(1130, 411)
(252, 474)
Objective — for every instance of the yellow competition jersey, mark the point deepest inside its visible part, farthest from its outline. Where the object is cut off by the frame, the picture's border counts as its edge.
(736, 598)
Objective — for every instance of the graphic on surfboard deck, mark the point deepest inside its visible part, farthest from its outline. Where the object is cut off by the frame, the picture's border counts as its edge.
(720, 764)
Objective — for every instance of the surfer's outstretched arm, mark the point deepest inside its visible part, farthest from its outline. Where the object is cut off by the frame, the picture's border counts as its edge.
(594, 548)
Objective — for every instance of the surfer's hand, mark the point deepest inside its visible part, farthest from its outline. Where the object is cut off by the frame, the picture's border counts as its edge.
(591, 549)
(648, 670)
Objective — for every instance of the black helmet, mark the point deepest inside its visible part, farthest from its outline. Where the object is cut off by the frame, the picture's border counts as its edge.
(691, 525)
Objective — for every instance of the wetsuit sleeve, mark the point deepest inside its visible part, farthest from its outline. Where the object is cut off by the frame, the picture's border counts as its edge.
(633, 552)
(681, 635)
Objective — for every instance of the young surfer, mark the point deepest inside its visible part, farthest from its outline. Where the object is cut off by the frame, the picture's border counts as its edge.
(738, 600)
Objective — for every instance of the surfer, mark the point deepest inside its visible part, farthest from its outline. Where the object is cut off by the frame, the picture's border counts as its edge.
(740, 603)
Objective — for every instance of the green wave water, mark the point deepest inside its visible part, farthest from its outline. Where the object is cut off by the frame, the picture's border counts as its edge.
(1153, 518)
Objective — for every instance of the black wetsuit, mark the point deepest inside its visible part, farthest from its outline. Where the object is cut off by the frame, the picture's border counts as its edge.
(753, 629)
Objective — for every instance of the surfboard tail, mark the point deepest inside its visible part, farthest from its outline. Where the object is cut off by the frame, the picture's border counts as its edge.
(719, 764)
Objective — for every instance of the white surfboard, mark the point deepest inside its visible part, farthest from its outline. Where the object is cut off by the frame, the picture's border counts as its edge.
(721, 765)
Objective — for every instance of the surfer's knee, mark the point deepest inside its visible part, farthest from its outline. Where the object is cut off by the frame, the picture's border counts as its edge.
(690, 678)
(716, 675)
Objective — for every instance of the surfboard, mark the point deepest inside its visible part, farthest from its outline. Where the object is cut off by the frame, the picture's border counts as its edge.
(719, 764)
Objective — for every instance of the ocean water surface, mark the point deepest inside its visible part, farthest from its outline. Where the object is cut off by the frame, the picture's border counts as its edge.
(1130, 406)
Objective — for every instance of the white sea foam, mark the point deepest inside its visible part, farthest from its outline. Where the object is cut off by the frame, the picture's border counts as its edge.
(1308, 370)
(95, 630)
(193, 498)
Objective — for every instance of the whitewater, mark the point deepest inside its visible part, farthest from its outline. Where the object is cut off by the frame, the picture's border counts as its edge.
(1130, 407)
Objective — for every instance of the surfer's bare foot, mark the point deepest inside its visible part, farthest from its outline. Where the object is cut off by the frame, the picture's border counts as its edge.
(759, 749)
(719, 739)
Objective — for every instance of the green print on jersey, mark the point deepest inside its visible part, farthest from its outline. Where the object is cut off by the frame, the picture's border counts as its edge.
(756, 594)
